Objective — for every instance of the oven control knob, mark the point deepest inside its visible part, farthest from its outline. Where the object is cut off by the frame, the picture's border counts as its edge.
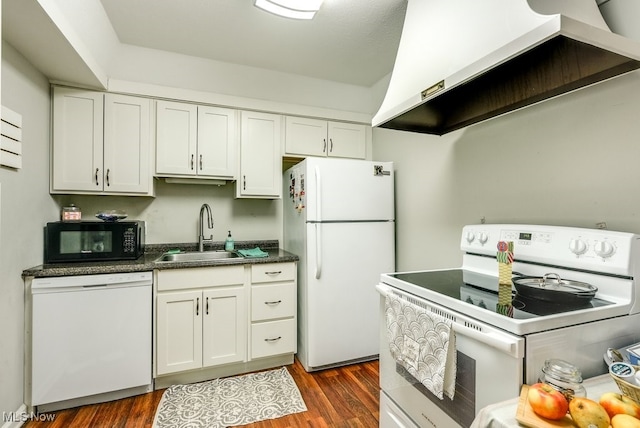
(483, 238)
(577, 246)
(470, 237)
(604, 249)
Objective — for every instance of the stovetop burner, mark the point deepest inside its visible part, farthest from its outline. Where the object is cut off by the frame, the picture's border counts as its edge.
(473, 288)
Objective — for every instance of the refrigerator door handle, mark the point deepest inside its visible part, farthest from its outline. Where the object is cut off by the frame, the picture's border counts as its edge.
(318, 194)
(318, 250)
(317, 225)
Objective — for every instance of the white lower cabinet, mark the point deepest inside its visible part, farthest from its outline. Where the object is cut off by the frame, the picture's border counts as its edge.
(224, 326)
(273, 309)
(179, 332)
(273, 301)
(210, 317)
(203, 326)
(273, 338)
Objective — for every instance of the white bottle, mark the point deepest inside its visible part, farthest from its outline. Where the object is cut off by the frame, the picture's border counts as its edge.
(228, 243)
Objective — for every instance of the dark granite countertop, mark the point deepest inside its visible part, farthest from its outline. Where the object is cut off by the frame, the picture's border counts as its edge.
(147, 261)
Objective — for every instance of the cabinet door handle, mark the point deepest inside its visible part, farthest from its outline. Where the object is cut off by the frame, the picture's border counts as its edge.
(275, 339)
(97, 182)
(244, 182)
(273, 272)
(200, 162)
(324, 145)
(192, 162)
(207, 308)
(197, 306)
(276, 302)
(108, 170)
(331, 147)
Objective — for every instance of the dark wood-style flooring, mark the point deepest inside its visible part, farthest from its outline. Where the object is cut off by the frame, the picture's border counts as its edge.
(341, 397)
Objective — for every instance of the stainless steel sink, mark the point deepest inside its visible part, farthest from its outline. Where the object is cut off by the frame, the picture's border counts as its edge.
(197, 256)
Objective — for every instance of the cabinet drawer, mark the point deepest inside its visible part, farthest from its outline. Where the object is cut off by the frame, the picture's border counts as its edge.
(201, 277)
(273, 272)
(273, 301)
(273, 338)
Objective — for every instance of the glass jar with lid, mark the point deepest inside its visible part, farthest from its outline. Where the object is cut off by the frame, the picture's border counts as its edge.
(563, 376)
(71, 213)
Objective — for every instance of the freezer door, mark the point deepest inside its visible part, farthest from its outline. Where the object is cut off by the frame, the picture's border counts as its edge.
(340, 301)
(346, 189)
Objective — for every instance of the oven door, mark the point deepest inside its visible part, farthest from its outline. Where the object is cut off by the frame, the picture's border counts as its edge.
(489, 369)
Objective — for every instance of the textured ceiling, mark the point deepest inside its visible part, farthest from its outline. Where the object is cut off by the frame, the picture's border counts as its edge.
(349, 41)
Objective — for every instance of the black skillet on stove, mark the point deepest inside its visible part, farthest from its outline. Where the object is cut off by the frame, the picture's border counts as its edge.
(551, 288)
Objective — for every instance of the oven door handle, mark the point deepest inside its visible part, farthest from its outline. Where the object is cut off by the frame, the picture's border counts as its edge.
(383, 289)
(500, 343)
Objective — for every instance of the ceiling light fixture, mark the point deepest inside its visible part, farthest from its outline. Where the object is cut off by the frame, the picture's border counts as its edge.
(296, 9)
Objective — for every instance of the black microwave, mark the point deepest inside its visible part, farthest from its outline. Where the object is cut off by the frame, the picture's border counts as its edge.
(80, 241)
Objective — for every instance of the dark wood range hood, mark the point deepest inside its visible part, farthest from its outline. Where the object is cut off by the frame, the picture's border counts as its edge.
(556, 63)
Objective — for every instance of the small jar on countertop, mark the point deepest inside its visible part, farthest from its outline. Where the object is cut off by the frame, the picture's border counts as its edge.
(71, 213)
(563, 376)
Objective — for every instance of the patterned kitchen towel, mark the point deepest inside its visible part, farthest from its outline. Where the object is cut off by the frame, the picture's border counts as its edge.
(253, 252)
(424, 343)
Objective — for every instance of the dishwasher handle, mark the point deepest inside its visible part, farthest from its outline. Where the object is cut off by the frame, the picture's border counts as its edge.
(83, 282)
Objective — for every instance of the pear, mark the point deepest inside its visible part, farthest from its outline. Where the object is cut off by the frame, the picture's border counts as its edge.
(587, 413)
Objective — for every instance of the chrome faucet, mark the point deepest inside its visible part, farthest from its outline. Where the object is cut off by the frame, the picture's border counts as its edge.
(201, 238)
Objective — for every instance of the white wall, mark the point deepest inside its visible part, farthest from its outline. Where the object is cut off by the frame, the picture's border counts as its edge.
(622, 17)
(262, 89)
(568, 161)
(25, 206)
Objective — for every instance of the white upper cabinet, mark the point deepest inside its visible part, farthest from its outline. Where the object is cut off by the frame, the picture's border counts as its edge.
(127, 144)
(101, 143)
(305, 136)
(216, 142)
(176, 138)
(194, 140)
(314, 137)
(78, 139)
(346, 140)
(260, 158)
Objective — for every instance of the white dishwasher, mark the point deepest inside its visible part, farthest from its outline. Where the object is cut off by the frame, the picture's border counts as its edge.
(90, 335)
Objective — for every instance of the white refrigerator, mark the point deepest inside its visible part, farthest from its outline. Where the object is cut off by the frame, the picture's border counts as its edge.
(339, 219)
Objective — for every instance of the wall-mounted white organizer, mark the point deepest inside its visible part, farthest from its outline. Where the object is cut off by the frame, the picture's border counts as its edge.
(11, 138)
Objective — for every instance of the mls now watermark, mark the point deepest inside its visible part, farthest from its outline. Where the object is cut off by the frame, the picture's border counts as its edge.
(26, 417)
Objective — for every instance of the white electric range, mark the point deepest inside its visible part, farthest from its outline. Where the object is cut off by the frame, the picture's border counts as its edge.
(496, 351)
